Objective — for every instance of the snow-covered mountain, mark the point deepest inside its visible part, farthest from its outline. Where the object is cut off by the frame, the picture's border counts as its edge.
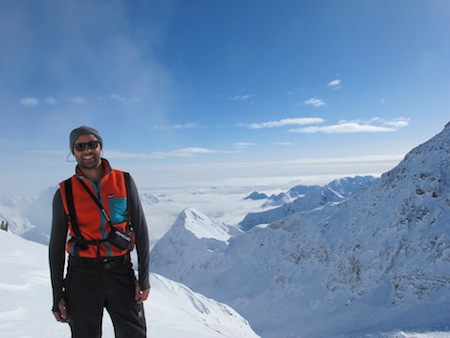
(10, 206)
(345, 187)
(28, 217)
(305, 198)
(172, 309)
(256, 196)
(197, 236)
(376, 262)
(148, 199)
(39, 212)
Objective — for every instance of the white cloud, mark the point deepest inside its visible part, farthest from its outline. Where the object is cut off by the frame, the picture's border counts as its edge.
(189, 125)
(283, 143)
(243, 145)
(398, 123)
(121, 99)
(241, 98)
(316, 102)
(29, 102)
(374, 125)
(342, 128)
(334, 83)
(284, 122)
(77, 99)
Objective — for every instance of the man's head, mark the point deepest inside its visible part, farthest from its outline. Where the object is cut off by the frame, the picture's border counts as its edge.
(83, 130)
(86, 145)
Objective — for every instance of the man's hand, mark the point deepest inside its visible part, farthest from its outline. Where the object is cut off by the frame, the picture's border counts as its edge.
(62, 316)
(141, 296)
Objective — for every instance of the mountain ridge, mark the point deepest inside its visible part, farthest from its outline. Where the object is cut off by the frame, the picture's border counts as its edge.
(304, 198)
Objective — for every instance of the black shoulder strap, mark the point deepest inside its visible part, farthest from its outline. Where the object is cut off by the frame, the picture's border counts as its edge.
(71, 207)
(128, 190)
(99, 204)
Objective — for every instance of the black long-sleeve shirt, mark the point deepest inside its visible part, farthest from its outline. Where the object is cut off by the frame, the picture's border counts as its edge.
(58, 238)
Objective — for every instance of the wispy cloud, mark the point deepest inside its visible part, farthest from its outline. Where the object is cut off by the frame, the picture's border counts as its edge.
(189, 125)
(283, 122)
(121, 99)
(398, 123)
(241, 98)
(283, 143)
(315, 102)
(335, 84)
(375, 125)
(33, 101)
(29, 102)
(243, 145)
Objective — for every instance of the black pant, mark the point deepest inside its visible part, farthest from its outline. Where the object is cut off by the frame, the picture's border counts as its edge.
(93, 286)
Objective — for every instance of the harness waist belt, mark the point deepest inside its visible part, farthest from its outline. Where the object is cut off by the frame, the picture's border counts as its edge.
(101, 262)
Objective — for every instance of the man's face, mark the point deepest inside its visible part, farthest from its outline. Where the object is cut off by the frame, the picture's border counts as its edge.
(87, 158)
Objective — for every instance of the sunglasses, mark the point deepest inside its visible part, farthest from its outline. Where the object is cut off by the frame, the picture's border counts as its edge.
(82, 146)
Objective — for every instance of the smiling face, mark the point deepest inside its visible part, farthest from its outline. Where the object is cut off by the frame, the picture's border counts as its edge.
(87, 158)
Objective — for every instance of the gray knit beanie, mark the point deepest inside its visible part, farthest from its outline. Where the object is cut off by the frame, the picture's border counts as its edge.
(83, 130)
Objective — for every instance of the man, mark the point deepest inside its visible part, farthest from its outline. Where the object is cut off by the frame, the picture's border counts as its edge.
(99, 273)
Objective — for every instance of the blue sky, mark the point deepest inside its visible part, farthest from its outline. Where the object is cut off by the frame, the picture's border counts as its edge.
(213, 91)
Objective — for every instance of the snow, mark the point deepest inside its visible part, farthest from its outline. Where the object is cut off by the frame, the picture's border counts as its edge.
(200, 225)
(376, 264)
(172, 309)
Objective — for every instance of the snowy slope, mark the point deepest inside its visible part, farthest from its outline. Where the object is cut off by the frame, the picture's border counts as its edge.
(172, 310)
(192, 235)
(203, 227)
(377, 262)
(149, 199)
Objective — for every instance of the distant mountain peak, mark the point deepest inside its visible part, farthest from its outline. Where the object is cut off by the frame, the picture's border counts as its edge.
(256, 196)
(201, 226)
(149, 199)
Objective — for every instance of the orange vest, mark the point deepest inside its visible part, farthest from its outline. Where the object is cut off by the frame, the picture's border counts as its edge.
(111, 191)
